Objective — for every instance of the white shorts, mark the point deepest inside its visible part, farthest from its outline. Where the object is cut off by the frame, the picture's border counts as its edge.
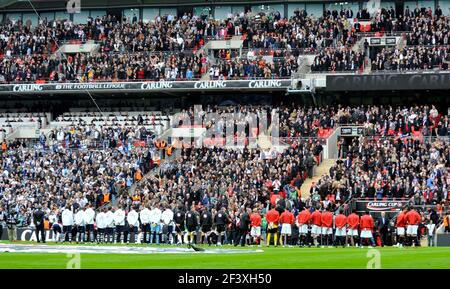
(352, 232)
(340, 231)
(327, 231)
(303, 229)
(412, 229)
(401, 231)
(316, 230)
(286, 229)
(366, 234)
(255, 231)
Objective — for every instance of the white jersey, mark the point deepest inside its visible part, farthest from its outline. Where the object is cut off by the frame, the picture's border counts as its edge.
(101, 220)
(167, 216)
(52, 218)
(67, 217)
(155, 216)
(119, 217)
(109, 216)
(133, 218)
(80, 218)
(144, 215)
(89, 216)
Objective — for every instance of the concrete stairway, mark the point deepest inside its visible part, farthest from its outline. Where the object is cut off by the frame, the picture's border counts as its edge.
(323, 168)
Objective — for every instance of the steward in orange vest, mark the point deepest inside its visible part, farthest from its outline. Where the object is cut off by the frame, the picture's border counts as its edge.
(138, 175)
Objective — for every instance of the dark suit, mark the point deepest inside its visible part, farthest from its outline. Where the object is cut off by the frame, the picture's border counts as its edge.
(243, 229)
(383, 225)
(38, 219)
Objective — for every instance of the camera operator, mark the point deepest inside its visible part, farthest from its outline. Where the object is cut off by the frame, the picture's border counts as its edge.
(11, 223)
(2, 220)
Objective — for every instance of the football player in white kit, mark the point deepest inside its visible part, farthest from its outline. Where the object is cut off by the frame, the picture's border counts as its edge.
(144, 216)
(68, 221)
(100, 220)
(109, 231)
(167, 218)
(80, 220)
(89, 215)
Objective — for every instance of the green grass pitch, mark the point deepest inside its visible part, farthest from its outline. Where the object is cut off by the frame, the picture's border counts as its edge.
(280, 258)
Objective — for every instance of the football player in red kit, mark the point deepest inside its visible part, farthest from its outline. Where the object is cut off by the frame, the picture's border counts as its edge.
(316, 229)
(286, 220)
(413, 219)
(400, 225)
(255, 231)
(340, 223)
(272, 218)
(352, 233)
(366, 225)
(327, 227)
(303, 219)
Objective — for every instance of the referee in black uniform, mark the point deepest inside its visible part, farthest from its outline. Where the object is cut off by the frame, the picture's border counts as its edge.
(220, 222)
(206, 225)
(179, 224)
(191, 225)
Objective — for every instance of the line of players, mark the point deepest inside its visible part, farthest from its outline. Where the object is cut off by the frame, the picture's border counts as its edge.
(147, 225)
(323, 228)
(316, 227)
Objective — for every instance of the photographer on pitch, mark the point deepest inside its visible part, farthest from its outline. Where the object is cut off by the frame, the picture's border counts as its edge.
(2, 219)
(11, 223)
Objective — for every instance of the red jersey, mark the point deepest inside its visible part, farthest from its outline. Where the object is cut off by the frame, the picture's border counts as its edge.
(413, 218)
(316, 217)
(287, 218)
(401, 221)
(303, 217)
(353, 221)
(367, 222)
(274, 198)
(340, 221)
(272, 216)
(327, 219)
(255, 219)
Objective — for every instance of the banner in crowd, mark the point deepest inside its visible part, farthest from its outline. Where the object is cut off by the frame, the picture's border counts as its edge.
(379, 206)
(388, 81)
(260, 84)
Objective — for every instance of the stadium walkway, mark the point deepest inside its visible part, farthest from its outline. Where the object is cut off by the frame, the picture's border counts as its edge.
(323, 168)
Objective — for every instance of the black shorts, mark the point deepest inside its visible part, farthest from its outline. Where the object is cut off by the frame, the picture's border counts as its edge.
(145, 228)
(56, 228)
(191, 228)
(67, 229)
(80, 229)
(273, 230)
(179, 228)
(220, 228)
(206, 228)
(89, 227)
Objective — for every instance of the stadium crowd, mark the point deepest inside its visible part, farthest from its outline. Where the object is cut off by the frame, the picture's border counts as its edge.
(29, 52)
(226, 194)
(412, 58)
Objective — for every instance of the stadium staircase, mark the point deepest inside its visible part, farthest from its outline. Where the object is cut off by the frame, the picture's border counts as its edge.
(323, 168)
